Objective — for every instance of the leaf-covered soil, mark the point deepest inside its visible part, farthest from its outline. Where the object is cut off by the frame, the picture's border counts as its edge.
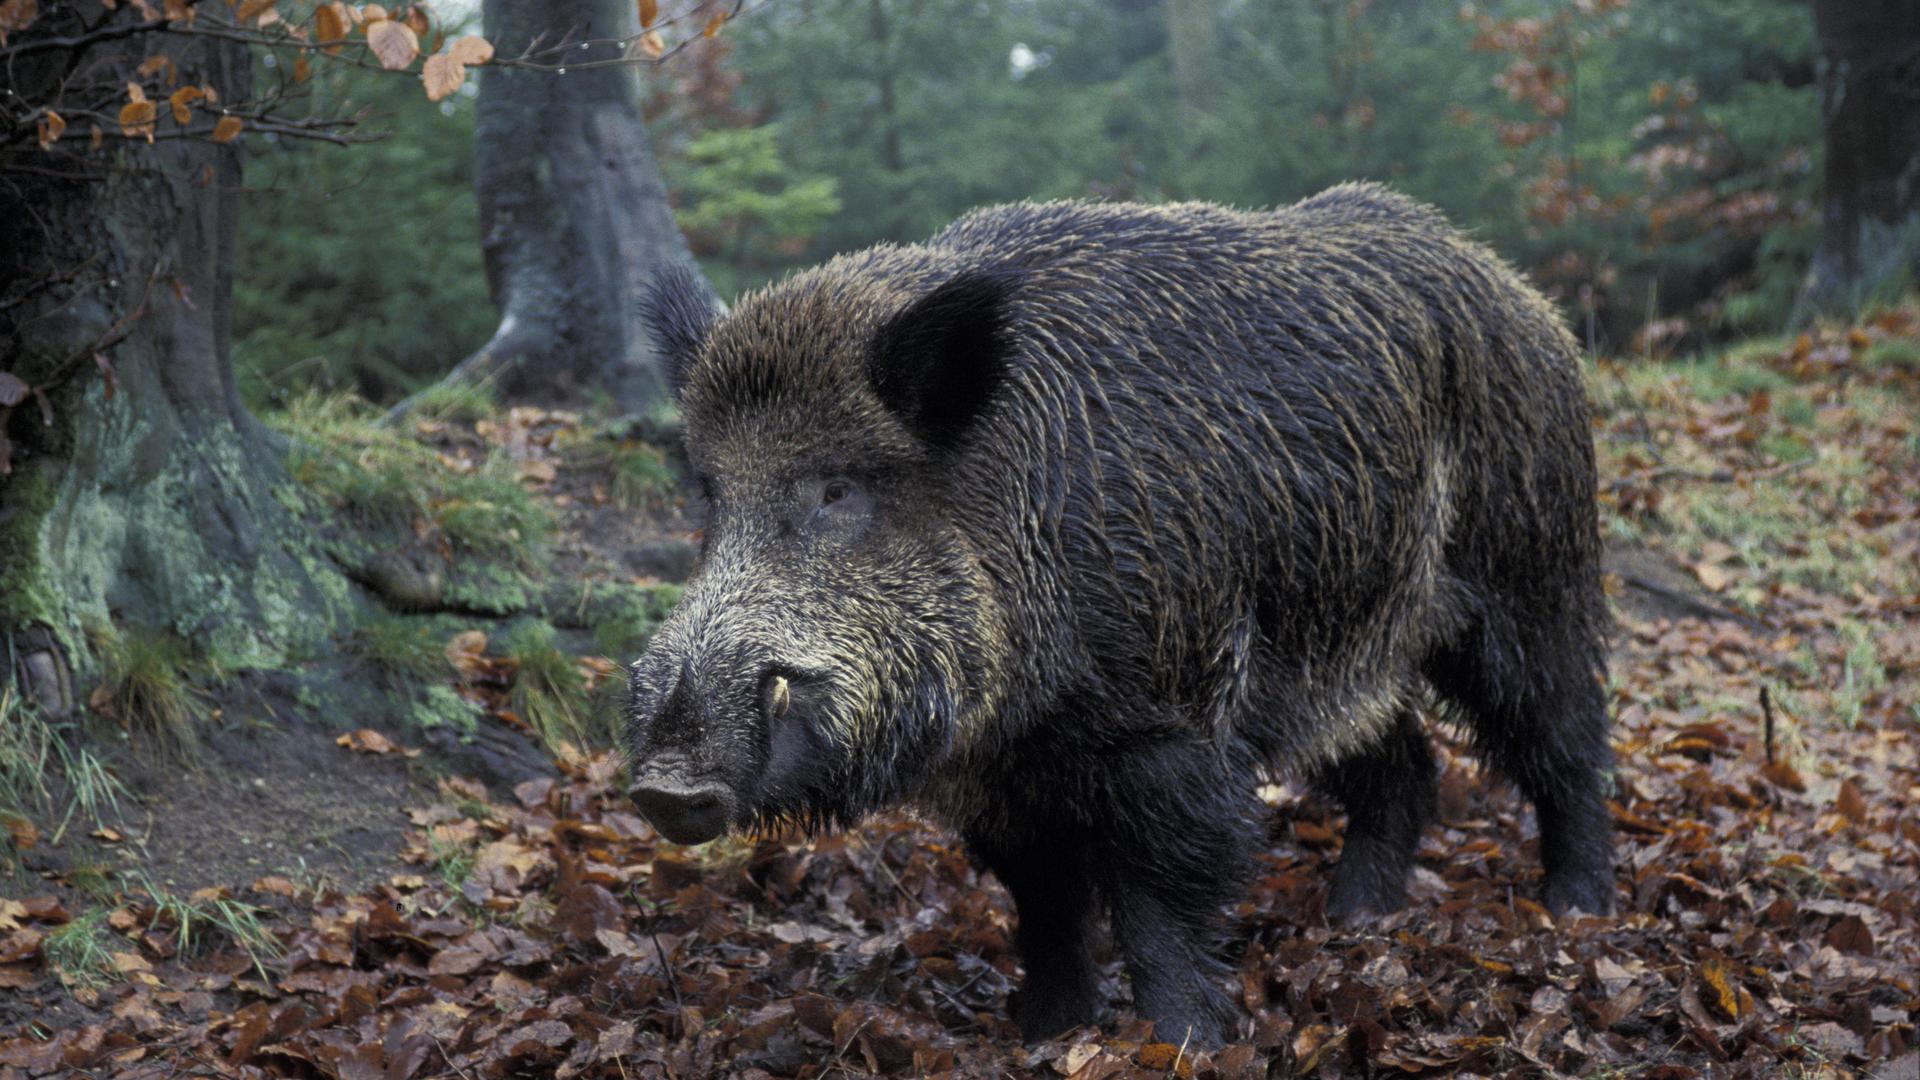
(1765, 538)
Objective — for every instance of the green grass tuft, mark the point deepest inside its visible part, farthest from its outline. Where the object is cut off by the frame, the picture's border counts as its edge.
(81, 952)
(642, 479)
(549, 690)
(488, 512)
(402, 646)
(453, 862)
(148, 689)
(1892, 352)
(198, 923)
(455, 403)
(639, 476)
(624, 617)
(26, 751)
(384, 479)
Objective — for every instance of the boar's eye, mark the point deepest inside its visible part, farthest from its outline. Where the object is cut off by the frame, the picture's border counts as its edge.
(834, 504)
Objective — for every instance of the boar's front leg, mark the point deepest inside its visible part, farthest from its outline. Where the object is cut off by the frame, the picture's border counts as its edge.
(1054, 900)
(1180, 825)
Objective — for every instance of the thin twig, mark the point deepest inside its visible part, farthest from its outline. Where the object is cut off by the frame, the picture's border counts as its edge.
(1766, 711)
(666, 967)
(446, 1057)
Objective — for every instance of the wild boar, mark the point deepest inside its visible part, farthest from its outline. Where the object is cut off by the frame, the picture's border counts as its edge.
(1073, 523)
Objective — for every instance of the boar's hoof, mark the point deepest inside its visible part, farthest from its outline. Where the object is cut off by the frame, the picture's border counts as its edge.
(1043, 1015)
(1590, 894)
(1359, 897)
(685, 813)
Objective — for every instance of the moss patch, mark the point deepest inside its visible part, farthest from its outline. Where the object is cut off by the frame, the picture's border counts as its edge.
(420, 530)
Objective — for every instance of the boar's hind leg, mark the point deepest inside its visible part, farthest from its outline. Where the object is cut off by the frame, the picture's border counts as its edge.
(1388, 791)
(1538, 714)
(1053, 902)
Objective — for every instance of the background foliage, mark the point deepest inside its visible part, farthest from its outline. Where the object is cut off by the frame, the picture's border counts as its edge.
(358, 267)
(1653, 166)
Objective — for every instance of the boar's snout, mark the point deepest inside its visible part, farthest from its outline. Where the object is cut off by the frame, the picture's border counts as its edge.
(711, 742)
(684, 811)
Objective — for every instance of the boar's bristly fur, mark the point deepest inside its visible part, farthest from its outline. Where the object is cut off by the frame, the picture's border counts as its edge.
(1072, 524)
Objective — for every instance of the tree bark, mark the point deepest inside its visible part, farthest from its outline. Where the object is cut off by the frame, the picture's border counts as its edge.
(1869, 70)
(140, 489)
(574, 217)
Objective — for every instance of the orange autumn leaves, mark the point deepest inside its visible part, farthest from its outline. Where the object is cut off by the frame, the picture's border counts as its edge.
(140, 117)
(394, 40)
(390, 38)
(443, 73)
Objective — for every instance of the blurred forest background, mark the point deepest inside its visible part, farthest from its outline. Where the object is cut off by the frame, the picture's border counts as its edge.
(321, 554)
(1655, 168)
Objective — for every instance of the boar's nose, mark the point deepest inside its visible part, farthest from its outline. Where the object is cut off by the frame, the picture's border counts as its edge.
(685, 812)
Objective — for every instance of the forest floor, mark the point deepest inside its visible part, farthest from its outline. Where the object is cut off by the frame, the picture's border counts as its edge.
(349, 909)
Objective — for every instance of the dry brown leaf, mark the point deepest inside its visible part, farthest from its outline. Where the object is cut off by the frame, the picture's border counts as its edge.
(651, 45)
(466, 651)
(394, 44)
(442, 75)
(1850, 803)
(181, 102)
(1722, 994)
(471, 49)
(369, 741)
(714, 24)
(330, 23)
(276, 885)
(137, 119)
(649, 13)
(51, 128)
(1851, 935)
(250, 10)
(227, 129)
(22, 830)
(1710, 575)
(16, 15)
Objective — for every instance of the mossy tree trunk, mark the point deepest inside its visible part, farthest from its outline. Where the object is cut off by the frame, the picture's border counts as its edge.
(139, 488)
(574, 217)
(1869, 71)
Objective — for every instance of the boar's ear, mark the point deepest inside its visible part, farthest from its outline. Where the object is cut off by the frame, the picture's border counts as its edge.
(679, 309)
(937, 363)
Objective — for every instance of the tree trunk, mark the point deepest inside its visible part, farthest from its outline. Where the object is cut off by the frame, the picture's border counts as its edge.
(574, 217)
(1869, 70)
(139, 487)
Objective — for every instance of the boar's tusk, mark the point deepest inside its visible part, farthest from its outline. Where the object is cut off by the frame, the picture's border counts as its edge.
(780, 698)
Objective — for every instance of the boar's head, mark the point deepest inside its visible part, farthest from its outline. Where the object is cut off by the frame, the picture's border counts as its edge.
(839, 637)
